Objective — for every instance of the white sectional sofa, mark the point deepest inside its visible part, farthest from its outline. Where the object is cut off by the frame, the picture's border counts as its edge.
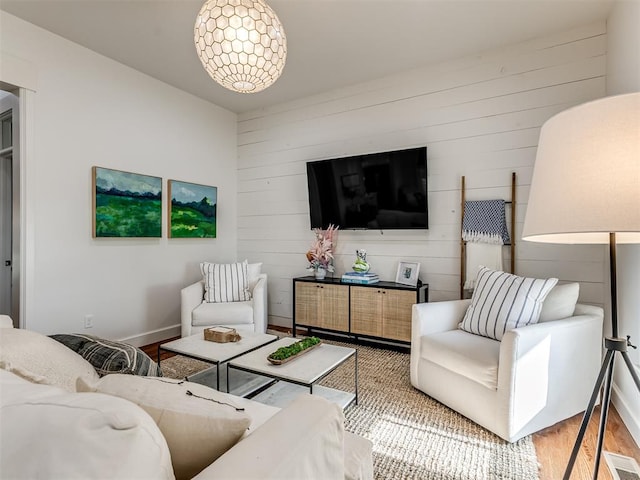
(60, 420)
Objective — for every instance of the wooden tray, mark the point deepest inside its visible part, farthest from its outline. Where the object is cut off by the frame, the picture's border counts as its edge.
(280, 362)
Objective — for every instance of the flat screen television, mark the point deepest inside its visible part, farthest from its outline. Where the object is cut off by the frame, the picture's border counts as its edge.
(379, 191)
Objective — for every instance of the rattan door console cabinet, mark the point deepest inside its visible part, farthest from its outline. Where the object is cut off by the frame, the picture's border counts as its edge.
(381, 311)
(322, 305)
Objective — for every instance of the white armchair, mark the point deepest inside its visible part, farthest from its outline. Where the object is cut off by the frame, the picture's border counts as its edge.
(535, 377)
(196, 315)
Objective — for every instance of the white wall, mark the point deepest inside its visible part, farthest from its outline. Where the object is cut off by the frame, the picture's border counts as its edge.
(478, 116)
(623, 76)
(89, 110)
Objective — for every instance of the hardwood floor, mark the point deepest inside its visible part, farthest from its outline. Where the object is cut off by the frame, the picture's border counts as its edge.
(554, 444)
(152, 350)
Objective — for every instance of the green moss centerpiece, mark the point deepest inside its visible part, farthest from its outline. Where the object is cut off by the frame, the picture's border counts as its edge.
(284, 354)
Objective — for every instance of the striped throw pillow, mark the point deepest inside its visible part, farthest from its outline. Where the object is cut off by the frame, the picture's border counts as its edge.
(225, 282)
(502, 301)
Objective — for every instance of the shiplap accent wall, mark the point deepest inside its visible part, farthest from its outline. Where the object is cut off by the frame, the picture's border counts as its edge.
(478, 116)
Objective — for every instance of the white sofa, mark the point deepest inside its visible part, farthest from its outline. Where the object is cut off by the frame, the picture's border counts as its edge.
(535, 377)
(196, 314)
(124, 428)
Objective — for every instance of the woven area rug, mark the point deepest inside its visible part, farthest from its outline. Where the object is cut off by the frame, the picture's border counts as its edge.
(414, 436)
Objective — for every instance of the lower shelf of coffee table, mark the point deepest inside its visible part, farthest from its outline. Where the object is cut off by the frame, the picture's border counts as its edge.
(283, 393)
(241, 383)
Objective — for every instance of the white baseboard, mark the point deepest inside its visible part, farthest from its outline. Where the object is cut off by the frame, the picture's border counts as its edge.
(153, 336)
(630, 420)
(280, 321)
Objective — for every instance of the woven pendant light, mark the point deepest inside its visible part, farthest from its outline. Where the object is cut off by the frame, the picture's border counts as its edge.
(241, 44)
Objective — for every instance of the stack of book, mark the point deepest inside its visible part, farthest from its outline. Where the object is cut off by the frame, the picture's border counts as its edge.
(360, 277)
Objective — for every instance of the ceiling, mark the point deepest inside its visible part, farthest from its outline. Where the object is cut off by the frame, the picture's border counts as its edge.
(331, 43)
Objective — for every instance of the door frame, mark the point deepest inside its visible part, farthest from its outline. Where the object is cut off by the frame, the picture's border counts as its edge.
(23, 245)
(20, 77)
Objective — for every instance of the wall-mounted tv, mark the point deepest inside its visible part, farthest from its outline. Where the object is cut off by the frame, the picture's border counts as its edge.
(380, 191)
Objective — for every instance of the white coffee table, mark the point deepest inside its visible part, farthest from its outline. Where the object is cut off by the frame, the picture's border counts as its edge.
(218, 354)
(300, 374)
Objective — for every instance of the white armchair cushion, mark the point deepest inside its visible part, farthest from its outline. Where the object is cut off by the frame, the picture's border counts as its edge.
(502, 301)
(471, 356)
(231, 313)
(560, 303)
(226, 282)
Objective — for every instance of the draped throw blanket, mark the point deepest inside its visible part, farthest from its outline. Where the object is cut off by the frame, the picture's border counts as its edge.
(485, 222)
(484, 228)
(481, 255)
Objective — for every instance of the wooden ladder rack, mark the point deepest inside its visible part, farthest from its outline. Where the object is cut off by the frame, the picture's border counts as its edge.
(463, 244)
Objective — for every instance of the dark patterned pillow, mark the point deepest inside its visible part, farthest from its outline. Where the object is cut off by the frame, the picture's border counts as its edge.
(108, 356)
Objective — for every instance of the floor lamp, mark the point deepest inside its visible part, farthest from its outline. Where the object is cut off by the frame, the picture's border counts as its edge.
(586, 189)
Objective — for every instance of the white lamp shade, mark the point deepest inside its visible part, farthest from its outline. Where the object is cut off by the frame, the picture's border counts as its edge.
(241, 44)
(586, 179)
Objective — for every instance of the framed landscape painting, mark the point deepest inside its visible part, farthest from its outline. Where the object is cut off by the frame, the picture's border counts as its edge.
(192, 210)
(126, 204)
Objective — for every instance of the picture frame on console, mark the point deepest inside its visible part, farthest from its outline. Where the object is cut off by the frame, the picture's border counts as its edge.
(407, 273)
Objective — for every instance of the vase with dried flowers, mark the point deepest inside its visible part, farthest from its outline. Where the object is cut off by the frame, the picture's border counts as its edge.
(320, 255)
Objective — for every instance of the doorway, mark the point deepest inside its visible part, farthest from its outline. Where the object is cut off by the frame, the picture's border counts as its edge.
(6, 160)
(9, 204)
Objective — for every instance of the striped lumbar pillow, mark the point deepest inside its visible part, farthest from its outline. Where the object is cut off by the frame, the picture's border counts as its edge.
(502, 302)
(225, 282)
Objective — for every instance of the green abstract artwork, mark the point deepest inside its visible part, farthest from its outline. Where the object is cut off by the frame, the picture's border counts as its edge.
(192, 210)
(126, 204)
